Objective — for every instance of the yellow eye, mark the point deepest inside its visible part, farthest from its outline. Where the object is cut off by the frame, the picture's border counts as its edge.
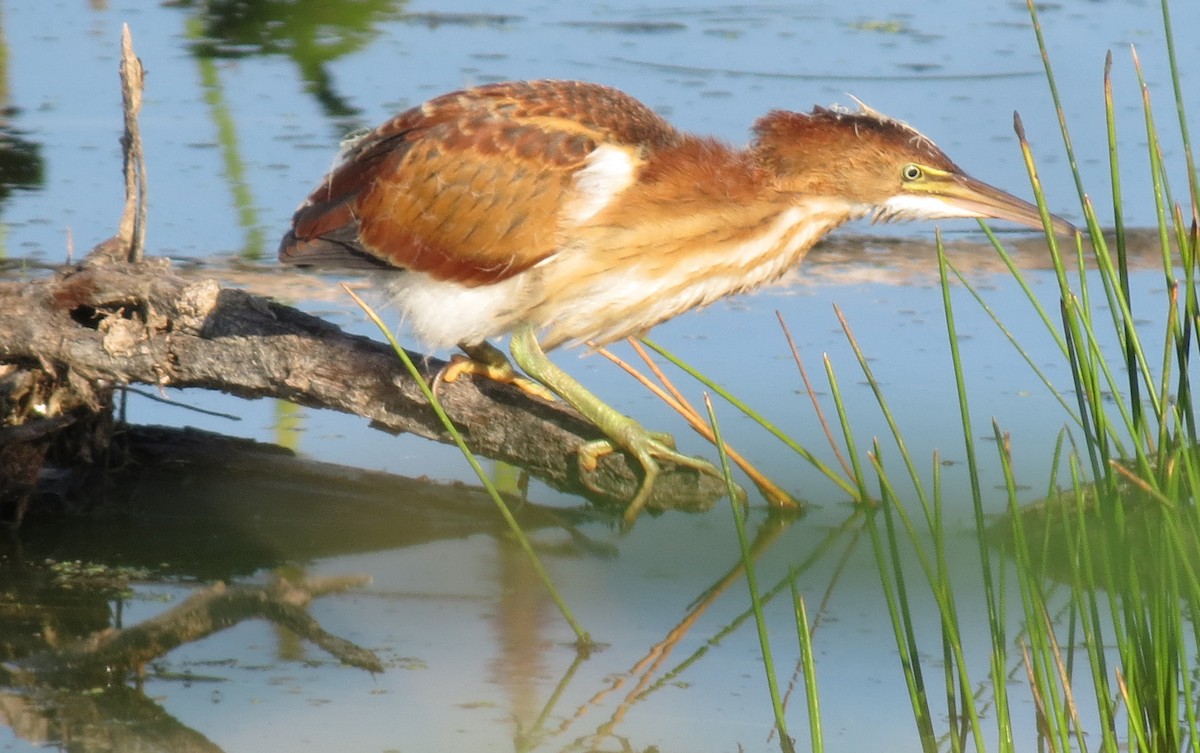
(911, 172)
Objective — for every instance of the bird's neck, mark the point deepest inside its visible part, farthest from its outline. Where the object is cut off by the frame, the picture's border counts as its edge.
(771, 242)
(642, 274)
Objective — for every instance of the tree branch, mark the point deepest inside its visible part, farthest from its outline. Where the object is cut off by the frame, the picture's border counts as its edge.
(104, 324)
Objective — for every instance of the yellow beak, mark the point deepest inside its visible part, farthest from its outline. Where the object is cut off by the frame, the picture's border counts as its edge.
(974, 198)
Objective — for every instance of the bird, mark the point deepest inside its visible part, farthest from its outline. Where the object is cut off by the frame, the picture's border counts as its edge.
(564, 212)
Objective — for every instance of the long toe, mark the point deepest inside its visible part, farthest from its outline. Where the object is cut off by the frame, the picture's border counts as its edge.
(497, 371)
(648, 448)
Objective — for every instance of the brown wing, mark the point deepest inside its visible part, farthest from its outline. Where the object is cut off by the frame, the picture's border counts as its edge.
(469, 186)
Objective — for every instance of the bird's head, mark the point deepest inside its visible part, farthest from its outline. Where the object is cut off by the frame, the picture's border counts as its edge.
(882, 168)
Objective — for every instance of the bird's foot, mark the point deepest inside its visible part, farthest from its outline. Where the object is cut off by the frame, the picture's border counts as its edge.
(622, 432)
(647, 447)
(486, 361)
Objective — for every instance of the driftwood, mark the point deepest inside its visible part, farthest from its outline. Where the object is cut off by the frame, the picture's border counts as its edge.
(67, 341)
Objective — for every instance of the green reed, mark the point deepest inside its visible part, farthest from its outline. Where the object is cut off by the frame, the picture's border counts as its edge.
(756, 601)
(1102, 576)
(583, 641)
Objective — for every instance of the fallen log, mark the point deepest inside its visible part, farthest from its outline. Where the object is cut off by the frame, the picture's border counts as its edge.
(66, 342)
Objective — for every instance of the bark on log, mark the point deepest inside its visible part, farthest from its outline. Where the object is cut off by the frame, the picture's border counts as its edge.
(104, 324)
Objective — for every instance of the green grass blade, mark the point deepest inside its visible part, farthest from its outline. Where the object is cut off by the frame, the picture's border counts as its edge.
(891, 577)
(992, 604)
(1177, 86)
(785, 740)
(583, 640)
(809, 668)
(757, 417)
(835, 392)
(1009, 335)
(1114, 165)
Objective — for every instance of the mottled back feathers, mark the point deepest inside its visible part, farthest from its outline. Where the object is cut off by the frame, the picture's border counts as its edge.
(469, 186)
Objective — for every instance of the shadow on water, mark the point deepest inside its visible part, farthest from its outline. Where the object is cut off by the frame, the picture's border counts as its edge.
(196, 506)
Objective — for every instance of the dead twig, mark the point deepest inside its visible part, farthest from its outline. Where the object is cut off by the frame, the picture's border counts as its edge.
(132, 230)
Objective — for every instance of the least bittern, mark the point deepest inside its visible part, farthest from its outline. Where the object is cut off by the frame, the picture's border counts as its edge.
(565, 212)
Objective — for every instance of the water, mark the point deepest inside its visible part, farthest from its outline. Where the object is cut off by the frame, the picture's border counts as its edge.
(245, 105)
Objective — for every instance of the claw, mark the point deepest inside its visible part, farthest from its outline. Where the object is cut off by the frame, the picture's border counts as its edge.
(486, 361)
(645, 446)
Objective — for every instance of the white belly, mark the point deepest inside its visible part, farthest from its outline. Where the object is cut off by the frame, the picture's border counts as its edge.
(580, 295)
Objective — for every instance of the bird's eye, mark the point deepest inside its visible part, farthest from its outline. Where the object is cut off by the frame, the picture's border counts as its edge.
(911, 172)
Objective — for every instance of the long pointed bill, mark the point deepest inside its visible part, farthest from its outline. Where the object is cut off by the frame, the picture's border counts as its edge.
(974, 198)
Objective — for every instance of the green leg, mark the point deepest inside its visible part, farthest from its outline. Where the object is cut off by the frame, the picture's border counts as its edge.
(622, 431)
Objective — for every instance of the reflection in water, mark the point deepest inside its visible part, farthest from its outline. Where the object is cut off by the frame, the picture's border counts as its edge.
(201, 522)
(118, 718)
(21, 163)
(253, 510)
(521, 619)
(310, 32)
(81, 689)
(235, 173)
(48, 605)
(1057, 528)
